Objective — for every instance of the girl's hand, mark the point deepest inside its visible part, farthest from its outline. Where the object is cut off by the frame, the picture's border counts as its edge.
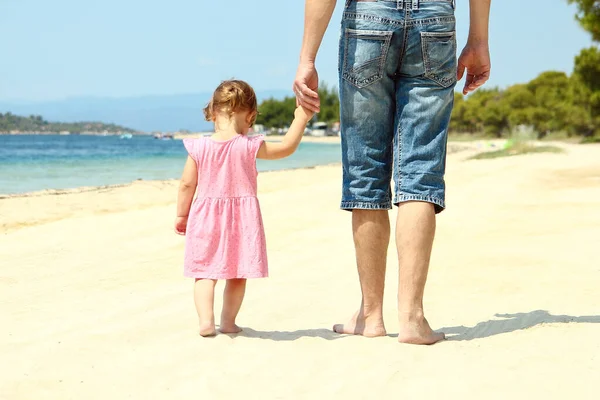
(180, 225)
(303, 114)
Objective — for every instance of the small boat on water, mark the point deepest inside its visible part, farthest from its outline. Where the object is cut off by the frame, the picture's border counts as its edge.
(164, 136)
(126, 136)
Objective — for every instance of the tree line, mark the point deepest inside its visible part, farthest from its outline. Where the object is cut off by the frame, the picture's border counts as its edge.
(36, 124)
(275, 113)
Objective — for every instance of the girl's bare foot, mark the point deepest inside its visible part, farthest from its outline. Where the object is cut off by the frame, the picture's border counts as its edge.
(207, 330)
(204, 297)
(230, 328)
(418, 331)
(361, 325)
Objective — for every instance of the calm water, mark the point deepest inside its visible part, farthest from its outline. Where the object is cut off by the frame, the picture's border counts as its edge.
(36, 162)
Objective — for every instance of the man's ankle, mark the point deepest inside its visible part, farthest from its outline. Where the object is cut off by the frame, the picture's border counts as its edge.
(411, 315)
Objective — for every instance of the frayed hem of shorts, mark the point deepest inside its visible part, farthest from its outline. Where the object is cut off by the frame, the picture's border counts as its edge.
(438, 203)
(363, 205)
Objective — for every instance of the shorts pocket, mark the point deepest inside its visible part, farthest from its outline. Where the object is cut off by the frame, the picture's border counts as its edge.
(439, 56)
(364, 58)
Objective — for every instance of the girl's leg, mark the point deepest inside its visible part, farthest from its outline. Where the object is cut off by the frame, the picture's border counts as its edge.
(204, 297)
(232, 301)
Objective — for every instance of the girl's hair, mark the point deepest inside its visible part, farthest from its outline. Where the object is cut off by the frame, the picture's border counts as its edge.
(231, 96)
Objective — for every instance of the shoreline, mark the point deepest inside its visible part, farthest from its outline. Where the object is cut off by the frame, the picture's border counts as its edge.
(51, 205)
(85, 189)
(452, 149)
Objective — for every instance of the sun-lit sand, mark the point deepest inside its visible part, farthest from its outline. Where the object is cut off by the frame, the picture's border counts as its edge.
(93, 304)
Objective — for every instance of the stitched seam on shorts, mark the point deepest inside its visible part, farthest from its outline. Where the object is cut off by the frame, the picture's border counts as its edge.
(404, 44)
(398, 151)
(431, 20)
(363, 205)
(374, 18)
(425, 41)
(346, 72)
(419, 197)
(408, 22)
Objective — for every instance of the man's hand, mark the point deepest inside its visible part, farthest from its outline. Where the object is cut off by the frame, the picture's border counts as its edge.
(305, 87)
(476, 60)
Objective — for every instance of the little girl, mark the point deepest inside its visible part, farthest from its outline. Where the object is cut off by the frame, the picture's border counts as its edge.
(225, 238)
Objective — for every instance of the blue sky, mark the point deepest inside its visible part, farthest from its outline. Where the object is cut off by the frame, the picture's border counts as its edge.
(116, 48)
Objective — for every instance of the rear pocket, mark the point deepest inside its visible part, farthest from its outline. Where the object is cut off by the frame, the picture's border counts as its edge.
(364, 58)
(439, 56)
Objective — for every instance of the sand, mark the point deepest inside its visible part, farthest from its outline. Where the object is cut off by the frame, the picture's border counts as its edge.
(93, 304)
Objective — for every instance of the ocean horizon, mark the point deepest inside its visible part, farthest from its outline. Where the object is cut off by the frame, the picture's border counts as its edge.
(31, 163)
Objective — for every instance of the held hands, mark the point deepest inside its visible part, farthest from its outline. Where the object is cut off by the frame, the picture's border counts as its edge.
(303, 114)
(475, 58)
(305, 87)
(180, 225)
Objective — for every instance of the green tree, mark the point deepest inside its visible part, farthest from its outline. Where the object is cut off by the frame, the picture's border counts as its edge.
(276, 113)
(587, 84)
(589, 16)
(551, 90)
(330, 104)
(36, 124)
(483, 111)
(521, 102)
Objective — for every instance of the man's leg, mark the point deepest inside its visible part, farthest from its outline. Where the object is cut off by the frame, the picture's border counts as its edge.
(415, 230)
(371, 231)
(370, 50)
(424, 99)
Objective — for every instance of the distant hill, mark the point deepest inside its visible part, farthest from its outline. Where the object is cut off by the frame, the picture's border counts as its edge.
(166, 113)
(10, 123)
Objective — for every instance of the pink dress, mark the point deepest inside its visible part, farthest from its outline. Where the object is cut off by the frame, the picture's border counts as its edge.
(225, 237)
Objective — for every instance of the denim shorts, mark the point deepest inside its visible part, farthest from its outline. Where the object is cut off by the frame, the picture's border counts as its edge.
(397, 69)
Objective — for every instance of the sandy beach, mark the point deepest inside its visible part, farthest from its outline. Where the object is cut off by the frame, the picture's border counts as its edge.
(93, 304)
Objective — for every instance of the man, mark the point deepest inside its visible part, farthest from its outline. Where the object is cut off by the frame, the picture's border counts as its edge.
(398, 70)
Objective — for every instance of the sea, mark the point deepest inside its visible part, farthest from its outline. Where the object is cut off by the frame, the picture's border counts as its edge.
(30, 163)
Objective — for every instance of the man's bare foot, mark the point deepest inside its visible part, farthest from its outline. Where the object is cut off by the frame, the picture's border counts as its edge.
(230, 328)
(418, 331)
(359, 325)
(207, 330)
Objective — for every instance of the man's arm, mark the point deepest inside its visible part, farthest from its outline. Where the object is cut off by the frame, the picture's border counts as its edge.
(475, 57)
(479, 21)
(317, 14)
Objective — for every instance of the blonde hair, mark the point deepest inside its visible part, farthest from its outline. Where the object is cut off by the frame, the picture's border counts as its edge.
(232, 96)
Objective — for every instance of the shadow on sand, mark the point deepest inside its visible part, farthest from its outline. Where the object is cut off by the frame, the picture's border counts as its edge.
(505, 324)
(513, 322)
(286, 336)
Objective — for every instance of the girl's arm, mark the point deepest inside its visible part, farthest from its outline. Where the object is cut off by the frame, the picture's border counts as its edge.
(185, 196)
(289, 144)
